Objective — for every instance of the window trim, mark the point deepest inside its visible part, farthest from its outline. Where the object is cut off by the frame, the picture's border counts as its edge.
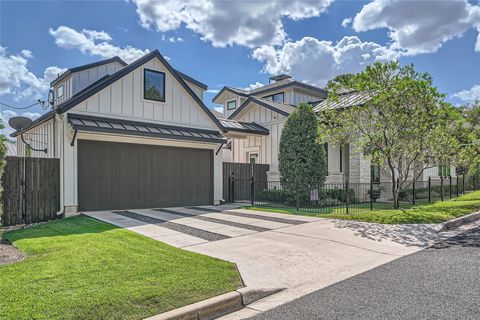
(278, 93)
(145, 70)
(256, 157)
(235, 107)
(63, 91)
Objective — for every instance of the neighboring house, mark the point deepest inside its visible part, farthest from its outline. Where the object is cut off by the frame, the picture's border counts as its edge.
(130, 136)
(268, 107)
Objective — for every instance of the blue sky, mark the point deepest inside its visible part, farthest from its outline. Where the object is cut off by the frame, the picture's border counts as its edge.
(239, 43)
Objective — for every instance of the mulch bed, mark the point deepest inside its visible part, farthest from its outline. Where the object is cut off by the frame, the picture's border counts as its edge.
(8, 253)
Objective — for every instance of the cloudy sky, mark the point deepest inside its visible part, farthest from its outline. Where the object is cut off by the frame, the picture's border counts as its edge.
(239, 43)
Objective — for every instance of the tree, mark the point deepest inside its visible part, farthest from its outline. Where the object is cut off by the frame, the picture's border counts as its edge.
(3, 154)
(469, 137)
(401, 123)
(302, 159)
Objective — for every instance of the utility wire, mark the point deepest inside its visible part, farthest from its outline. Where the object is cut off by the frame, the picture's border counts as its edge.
(20, 108)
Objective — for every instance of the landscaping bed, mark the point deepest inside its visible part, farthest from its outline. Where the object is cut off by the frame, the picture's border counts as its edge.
(423, 213)
(81, 268)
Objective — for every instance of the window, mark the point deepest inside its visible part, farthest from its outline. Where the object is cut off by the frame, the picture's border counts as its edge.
(375, 173)
(444, 170)
(253, 157)
(154, 85)
(231, 105)
(60, 91)
(277, 97)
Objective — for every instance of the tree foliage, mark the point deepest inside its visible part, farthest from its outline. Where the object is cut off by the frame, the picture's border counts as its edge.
(3, 154)
(404, 125)
(302, 157)
(469, 137)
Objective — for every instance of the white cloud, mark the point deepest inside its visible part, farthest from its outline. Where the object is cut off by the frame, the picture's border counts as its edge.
(5, 115)
(213, 91)
(95, 43)
(316, 62)
(175, 39)
(419, 26)
(346, 22)
(225, 23)
(254, 86)
(17, 80)
(27, 53)
(470, 95)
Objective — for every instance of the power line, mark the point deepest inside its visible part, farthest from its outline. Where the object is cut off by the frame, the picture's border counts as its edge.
(21, 108)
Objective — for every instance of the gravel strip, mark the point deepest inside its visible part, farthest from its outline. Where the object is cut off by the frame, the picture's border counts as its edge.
(191, 231)
(260, 217)
(205, 209)
(214, 220)
(8, 253)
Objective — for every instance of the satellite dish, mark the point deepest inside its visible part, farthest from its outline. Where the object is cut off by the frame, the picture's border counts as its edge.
(19, 123)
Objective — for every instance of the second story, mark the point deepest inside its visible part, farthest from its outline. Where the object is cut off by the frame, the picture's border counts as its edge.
(76, 79)
(282, 89)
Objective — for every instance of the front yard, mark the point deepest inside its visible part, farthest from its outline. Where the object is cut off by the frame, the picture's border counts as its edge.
(423, 213)
(80, 268)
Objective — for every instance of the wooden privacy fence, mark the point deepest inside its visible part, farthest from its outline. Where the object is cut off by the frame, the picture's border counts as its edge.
(241, 175)
(31, 190)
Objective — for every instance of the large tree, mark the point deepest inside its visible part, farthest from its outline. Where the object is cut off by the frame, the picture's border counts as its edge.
(469, 137)
(302, 158)
(400, 121)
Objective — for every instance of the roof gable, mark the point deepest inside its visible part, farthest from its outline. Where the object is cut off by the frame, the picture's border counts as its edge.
(281, 108)
(108, 80)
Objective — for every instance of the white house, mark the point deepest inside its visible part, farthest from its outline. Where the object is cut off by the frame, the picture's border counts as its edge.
(268, 107)
(130, 136)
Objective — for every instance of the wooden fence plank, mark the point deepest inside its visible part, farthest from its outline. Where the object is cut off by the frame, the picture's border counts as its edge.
(41, 200)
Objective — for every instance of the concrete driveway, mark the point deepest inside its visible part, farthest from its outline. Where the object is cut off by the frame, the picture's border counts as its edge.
(300, 254)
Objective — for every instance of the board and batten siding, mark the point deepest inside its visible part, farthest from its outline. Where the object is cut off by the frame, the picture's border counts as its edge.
(124, 99)
(39, 137)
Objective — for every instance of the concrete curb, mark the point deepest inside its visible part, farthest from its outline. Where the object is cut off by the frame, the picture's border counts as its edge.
(460, 221)
(217, 306)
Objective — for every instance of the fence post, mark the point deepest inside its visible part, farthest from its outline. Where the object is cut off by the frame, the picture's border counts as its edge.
(413, 193)
(252, 191)
(450, 185)
(429, 189)
(371, 194)
(441, 188)
(463, 183)
(346, 195)
(456, 179)
(233, 187)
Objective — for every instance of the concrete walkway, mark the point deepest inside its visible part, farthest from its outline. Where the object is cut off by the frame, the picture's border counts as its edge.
(298, 253)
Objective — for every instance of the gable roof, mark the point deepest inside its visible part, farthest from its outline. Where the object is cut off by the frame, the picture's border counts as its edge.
(108, 80)
(281, 84)
(282, 108)
(87, 66)
(190, 79)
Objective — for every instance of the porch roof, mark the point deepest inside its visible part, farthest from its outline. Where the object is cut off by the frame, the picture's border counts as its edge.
(244, 127)
(136, 128)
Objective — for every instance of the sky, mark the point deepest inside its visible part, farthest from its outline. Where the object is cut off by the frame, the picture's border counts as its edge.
(238, 43)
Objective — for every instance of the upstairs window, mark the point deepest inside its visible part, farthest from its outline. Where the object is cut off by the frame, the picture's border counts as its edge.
(444, 170)
(277, 97)
(231, 105)
(154, 85)
(60, 92)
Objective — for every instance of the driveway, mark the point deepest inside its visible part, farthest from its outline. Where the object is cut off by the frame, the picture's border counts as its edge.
(300, 254)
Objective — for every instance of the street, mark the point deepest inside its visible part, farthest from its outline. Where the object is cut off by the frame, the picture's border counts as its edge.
(441, 282)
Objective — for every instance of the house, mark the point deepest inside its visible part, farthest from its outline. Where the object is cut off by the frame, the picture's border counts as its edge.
(132, 135)
(268, 108)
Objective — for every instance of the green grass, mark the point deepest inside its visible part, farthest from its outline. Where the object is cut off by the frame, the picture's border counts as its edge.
(80, 268)
(423, 213)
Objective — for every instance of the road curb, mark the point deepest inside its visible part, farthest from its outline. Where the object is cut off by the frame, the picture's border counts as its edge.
(217, 306)
(460, 221)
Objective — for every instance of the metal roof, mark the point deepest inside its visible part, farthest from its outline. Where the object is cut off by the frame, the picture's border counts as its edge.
(343, 101)
(247, 127)
(136, 128)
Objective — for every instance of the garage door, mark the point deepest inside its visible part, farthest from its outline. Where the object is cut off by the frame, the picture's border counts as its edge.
(128, 176)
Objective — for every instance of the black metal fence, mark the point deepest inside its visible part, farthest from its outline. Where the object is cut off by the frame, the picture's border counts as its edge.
(350, 197)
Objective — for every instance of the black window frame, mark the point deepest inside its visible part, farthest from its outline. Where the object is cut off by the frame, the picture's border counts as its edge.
(144, 84)
(275, 94)
(235, 102)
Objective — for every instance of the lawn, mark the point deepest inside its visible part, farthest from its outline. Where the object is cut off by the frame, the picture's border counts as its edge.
(81, 268)
(423, 213)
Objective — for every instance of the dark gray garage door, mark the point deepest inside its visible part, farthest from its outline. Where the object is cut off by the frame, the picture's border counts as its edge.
(128, 176)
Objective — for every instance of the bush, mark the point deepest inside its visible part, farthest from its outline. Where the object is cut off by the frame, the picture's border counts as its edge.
(325, 197)
(341, 194)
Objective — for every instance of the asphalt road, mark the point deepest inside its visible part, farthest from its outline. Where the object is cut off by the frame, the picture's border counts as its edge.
(441, 282)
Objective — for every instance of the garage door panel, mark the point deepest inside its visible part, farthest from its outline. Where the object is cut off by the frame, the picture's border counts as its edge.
(127, 176)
